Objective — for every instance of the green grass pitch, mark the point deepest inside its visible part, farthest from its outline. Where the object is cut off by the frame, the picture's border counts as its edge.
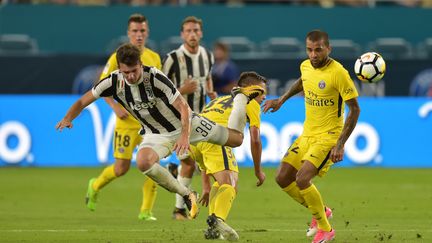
(369, 205)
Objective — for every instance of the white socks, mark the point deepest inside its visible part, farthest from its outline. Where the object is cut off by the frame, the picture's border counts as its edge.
(185, 182)
(162, 177)
(237, 119)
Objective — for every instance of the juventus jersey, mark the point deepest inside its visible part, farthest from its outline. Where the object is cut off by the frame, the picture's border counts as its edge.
(181, 64)
(149, 100)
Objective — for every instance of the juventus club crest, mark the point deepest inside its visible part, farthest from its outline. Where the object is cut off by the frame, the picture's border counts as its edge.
(148, 89)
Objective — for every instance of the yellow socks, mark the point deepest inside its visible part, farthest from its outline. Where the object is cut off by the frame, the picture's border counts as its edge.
(223, 201)
(149, 195)
(104, 178)
(294, 191)
(316, 206)
(212, 197)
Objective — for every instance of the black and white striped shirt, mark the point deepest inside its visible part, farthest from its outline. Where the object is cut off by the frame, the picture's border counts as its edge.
(149, 100)
(180, 64)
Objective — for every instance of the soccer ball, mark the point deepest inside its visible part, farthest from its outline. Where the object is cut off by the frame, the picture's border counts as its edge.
(370, 67)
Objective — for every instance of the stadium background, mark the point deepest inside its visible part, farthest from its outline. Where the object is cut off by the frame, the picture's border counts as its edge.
(73, 43)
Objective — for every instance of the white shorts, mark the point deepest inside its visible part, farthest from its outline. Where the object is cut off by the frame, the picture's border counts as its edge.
(162, 144)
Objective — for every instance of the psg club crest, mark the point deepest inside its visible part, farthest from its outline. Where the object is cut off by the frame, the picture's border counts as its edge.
(321, 84)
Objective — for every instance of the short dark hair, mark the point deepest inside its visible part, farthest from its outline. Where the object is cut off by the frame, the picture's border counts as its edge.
(250, 78)
(136, 18)
(192, 19)
(317, 35)
(128, 54)
(222, 45)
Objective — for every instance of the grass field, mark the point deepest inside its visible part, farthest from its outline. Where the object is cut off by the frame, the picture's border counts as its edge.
(369, 205)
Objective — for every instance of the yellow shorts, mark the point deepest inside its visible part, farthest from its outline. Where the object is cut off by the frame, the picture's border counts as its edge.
(124, 142)
(213, 158)
(313, 149)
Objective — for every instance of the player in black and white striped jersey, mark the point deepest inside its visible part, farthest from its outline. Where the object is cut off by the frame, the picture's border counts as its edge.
(189, 67)
(168, 122)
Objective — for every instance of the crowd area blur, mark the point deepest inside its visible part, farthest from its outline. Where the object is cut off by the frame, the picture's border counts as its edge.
(321, 3)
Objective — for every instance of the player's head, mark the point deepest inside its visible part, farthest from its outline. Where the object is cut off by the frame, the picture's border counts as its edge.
(191, 32)
(252, 78)
(138, 30)
(318, 48)
(220, 51)
(128, 58)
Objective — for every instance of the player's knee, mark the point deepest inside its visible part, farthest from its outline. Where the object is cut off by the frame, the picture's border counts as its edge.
(302, 182)
(145, 161)
(235, 139)
(280, 180)
(187, 170)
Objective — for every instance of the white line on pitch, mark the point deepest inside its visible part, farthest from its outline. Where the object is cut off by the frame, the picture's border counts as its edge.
(240, 230)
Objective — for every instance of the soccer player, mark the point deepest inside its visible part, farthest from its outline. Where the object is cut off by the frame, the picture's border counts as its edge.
(327, 87)
(219, 162)
(167, 122)
(126, 131)
(189, 67)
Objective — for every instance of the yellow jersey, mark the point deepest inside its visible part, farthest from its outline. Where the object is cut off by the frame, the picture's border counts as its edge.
(325, 90)
(219, 110)
(148, 58)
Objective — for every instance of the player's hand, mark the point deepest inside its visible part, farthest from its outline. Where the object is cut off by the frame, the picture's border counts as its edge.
(337, 153)
(190, 85)
(181, 147)
(120, 112)
(205, 198)
(261, 177)
(212, 95)
(62, 124)
(271, 105)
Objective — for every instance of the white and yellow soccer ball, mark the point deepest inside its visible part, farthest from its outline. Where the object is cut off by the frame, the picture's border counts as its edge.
(370, 67)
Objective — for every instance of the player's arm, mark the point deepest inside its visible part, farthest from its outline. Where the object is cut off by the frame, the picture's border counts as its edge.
(274, 104)
(182, 144)
(210, 89)
(75, 110)
(117, 108)
(256, 150)
(189, 85)
(337, 152)
(205, 193)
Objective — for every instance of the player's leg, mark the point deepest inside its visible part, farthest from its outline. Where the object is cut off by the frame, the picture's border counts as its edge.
(148, 156)
(314, 200)
(149, 190)
(286, 174)
(315, 162)
(220, 162)
(226, 193)
(232, 136)
(124, 142)
(222, 202)
(285, 178)
(184, 177)
(237, 119)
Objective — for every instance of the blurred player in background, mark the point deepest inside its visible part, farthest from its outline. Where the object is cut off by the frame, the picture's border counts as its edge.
(219, 161)
(189, 67)
(126, 131)
(168, 124)
(225, 72)
(327, 86)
